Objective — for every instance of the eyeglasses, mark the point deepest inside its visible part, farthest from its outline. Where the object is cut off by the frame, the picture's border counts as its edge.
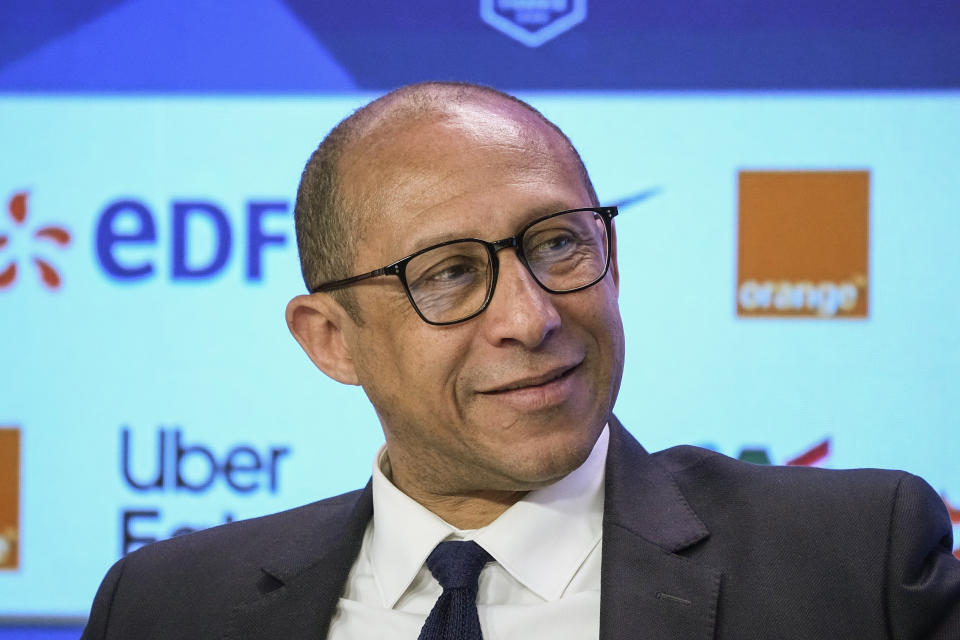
(454, 281)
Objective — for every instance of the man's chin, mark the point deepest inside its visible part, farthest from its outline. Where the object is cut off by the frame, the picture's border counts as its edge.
(541, 462)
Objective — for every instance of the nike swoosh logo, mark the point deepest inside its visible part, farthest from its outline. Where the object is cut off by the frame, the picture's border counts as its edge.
(637, 197)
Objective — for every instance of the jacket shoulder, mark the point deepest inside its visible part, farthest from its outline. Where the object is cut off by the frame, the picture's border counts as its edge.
(760, 502)
(689, 461)
(250, 540)
(883, 537)
(215, 570)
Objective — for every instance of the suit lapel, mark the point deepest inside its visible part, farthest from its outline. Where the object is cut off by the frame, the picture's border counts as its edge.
(647, 590)
(300, 586)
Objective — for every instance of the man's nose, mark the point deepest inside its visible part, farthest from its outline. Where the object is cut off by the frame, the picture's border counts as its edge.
(520, 311)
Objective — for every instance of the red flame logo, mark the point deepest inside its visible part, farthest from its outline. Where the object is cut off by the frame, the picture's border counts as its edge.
(17, 208)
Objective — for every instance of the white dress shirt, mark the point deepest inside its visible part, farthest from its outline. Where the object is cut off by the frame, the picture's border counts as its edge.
(545, 582)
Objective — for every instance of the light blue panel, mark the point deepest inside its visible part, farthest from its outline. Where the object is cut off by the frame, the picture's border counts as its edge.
(211, 357)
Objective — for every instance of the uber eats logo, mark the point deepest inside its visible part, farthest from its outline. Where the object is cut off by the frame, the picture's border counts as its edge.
(803, 244)
(170, 468)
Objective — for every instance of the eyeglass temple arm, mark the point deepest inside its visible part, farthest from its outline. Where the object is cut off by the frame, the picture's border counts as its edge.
(346, 282)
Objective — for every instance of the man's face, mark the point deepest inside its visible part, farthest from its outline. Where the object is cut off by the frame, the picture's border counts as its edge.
(516, 397)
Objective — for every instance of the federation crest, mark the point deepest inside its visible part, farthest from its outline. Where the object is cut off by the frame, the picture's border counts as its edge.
(533, 22)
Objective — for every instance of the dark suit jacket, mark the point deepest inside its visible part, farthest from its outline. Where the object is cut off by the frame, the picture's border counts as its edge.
(695, 545)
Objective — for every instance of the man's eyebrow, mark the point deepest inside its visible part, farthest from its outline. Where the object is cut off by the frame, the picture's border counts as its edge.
(445, 236)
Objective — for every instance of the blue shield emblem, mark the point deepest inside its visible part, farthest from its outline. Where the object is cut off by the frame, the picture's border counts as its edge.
(533, 22)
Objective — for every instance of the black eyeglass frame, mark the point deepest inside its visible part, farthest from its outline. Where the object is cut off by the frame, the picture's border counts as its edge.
(398, 268)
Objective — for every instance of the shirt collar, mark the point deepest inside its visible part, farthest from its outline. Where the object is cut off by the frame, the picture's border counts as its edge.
(404, 534)
(523, 540)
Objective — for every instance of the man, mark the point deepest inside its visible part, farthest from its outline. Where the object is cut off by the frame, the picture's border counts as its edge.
(465, 275)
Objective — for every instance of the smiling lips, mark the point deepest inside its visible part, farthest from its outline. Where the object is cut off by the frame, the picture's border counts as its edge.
(534, 382)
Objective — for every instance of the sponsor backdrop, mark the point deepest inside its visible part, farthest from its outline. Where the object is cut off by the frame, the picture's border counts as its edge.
(788, 245)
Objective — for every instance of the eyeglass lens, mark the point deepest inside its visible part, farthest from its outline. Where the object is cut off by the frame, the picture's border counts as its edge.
(563, 253)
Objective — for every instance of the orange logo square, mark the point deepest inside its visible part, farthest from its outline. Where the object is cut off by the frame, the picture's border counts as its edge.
(9, 497)
(803, 244)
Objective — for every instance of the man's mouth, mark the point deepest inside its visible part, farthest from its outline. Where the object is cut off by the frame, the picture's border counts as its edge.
(535, 381)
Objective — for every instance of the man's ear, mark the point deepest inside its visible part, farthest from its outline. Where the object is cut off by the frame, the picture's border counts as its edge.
(317, 322)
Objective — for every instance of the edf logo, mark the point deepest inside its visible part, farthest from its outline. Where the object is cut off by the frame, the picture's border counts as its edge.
(201, 238)
(533, 22)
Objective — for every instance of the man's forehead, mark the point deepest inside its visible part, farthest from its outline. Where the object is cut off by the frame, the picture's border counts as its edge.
(417, 152)
(391, 137)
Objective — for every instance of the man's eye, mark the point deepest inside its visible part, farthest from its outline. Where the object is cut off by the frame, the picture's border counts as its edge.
(452, 273)
(550, 247)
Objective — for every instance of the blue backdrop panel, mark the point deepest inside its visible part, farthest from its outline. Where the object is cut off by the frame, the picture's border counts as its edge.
(303, 45)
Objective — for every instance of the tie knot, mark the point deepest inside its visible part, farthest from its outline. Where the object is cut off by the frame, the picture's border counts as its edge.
(457, 564)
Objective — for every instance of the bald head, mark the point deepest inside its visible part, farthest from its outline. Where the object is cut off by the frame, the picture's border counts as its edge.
(333, 206)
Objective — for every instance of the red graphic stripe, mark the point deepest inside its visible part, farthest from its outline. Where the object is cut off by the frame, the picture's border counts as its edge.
(813, 456)
(3, 241)
(18, 207)
(48, 274)
(952, 510)
(58, 234)
(8, 275)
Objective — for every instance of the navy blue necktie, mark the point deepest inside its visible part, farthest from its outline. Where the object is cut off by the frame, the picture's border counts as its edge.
(456, 566)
